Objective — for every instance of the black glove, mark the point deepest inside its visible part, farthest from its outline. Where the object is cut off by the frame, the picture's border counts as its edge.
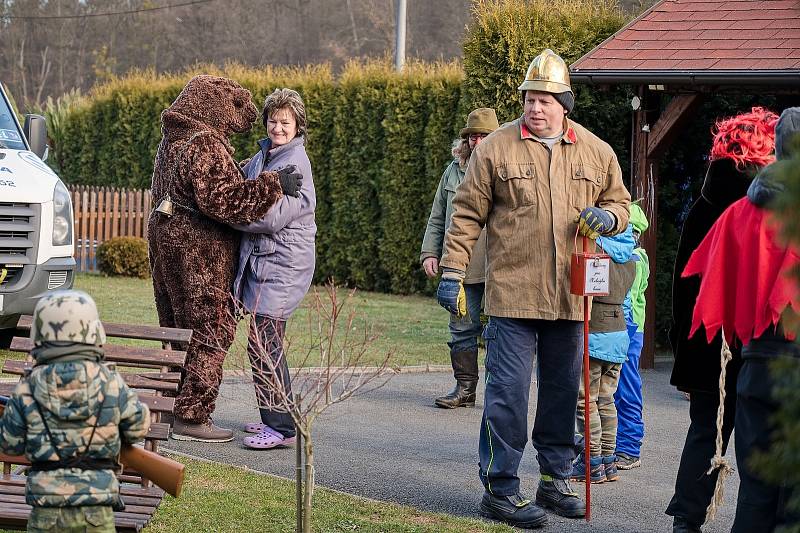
(291, 181)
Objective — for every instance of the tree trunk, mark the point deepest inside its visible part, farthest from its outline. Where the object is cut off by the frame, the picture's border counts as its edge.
(309, 481)
(298, 478)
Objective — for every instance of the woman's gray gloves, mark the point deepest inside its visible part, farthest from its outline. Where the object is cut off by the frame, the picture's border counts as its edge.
(291, 181)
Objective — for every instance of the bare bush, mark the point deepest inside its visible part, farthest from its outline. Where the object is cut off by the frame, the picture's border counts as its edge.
(333, 367)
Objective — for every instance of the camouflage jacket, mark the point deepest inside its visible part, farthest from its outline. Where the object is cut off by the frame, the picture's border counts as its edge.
(75, 392)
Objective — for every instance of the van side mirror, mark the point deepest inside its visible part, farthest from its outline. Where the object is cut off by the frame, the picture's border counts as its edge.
(35, 130)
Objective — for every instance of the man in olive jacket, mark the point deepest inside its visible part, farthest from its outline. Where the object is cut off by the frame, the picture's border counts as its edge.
(464, 331)
(533, 183)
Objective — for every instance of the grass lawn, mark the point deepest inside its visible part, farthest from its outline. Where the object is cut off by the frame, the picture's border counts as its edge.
(413, 328)
(222, 499)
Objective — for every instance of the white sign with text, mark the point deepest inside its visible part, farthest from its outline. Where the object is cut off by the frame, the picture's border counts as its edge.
(596, 281)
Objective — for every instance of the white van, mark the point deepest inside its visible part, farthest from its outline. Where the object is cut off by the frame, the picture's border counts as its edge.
(36, 234)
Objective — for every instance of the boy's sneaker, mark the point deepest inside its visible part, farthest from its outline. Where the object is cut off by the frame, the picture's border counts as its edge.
(610, 467)
(597, 471)
(627, 462)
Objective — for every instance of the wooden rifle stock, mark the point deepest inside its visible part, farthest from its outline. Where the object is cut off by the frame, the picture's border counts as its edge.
(162, 471)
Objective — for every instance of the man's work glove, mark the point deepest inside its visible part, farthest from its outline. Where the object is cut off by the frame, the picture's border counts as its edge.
(291, 181)
(595, 221)
(450, 293)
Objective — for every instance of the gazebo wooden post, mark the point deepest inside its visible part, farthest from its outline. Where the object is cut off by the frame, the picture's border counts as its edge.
(644, 186)
(652, 136)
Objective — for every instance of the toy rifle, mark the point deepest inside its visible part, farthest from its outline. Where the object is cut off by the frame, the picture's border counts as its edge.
(162, 471)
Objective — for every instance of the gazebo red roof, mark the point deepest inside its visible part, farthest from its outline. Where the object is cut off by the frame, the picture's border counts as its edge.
(697, 39)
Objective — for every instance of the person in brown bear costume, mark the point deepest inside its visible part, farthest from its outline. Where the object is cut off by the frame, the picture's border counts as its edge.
(199, 189)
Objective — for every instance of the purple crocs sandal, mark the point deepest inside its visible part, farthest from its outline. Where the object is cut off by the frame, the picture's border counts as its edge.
(268, 438)
(255, 427)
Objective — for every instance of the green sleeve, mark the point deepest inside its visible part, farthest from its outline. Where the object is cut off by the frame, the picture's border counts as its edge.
(638, 301)
(434, 232)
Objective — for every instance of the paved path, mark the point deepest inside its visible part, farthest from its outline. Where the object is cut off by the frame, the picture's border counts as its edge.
(393, 445)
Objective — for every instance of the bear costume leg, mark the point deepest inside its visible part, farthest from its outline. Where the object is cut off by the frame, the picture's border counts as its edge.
(204, 359)
(191, 292)
(210, 317)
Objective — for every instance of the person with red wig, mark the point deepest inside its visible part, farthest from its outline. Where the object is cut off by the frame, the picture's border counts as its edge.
(749, 300)
(741, 146)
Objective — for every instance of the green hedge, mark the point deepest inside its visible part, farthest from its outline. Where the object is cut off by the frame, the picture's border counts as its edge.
(506, 35)
(378, 142)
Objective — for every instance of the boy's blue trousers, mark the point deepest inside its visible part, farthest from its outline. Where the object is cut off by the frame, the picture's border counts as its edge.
(628, 398)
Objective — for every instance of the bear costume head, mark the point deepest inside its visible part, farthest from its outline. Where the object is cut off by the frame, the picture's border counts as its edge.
(217, 103)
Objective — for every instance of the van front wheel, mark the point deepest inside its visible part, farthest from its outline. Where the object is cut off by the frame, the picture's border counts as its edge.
(8, 329)
(5, 338)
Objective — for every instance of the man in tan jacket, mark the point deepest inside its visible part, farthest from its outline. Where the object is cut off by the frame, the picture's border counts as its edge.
(533, 183)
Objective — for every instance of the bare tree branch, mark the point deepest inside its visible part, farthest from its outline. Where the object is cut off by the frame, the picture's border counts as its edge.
(342, 370)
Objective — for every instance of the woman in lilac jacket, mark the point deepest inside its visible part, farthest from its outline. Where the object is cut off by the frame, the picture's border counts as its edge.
(276, 262)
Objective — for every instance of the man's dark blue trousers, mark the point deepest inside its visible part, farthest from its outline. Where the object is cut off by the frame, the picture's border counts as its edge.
(512, 345)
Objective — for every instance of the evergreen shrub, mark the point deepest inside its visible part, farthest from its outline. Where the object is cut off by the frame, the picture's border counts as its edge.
(506, 35)
(378, 140)
(367, 128)
(124, 256)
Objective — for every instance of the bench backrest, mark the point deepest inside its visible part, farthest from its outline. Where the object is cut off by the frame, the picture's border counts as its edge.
(156, 385)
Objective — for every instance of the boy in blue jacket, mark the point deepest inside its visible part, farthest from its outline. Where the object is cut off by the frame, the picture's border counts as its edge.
(628, 398)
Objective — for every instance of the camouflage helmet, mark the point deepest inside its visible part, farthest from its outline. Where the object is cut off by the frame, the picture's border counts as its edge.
(67, 316)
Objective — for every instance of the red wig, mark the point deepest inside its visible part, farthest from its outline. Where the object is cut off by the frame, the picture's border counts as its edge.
(746, 138)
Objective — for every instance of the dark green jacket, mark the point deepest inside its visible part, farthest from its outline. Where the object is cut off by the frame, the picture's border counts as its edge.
(439, 221)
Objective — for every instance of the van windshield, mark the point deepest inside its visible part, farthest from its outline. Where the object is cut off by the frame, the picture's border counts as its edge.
(10, 136)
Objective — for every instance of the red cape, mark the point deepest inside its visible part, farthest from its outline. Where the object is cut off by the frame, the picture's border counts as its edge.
(746, 273)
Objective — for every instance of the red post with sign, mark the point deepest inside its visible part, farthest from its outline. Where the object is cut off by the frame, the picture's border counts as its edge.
(589, 276)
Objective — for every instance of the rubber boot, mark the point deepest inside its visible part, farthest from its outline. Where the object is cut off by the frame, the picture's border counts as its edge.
(465, 370)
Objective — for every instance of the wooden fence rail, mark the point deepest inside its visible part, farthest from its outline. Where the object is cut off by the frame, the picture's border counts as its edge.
(102, 213)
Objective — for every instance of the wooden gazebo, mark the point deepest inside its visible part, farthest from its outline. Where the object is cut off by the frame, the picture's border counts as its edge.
(682, 50)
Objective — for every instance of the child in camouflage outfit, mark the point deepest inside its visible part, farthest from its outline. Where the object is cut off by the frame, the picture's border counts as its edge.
(69, 416)
(608, 347)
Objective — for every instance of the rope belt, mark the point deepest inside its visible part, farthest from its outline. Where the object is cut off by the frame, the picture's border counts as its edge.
(718, 462)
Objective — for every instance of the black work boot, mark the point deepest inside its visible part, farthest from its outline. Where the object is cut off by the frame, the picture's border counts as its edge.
(558, 496)
(681, 525)
(514, 510)
(465, 370)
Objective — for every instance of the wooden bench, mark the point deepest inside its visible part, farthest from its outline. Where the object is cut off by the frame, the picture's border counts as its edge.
(155, 375)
